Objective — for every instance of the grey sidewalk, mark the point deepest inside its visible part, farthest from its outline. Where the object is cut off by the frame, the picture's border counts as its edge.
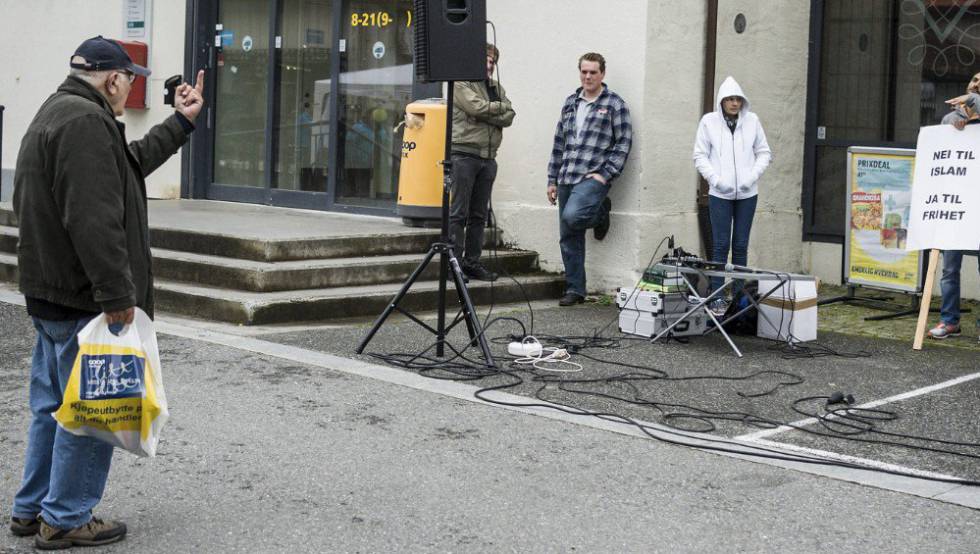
(267, 455)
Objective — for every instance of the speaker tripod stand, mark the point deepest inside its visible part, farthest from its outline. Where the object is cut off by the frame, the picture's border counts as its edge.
(447, 264)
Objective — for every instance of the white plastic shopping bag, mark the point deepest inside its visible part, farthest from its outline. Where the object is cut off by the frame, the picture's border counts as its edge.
(115, 391)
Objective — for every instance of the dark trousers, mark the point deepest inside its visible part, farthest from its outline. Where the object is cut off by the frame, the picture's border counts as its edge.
(731, 223)
(472, 184)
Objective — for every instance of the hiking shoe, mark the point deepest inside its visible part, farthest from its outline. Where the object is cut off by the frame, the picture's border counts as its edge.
(570, 299)
(944, 331)
(23, 527)
(479, 272)
(94, 533)
(602, 228)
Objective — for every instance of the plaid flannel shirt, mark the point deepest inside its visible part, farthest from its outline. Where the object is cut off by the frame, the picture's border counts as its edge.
(603, 145)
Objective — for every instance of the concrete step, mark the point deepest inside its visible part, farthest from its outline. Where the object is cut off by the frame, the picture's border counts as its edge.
(8, 267)
(258, 308)
(408, 241)
(251, 308)
(403, 240)
(7, 216)
(8, 239)
(256, 276)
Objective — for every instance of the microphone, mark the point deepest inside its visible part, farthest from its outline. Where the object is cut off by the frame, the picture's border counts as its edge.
(839, 397)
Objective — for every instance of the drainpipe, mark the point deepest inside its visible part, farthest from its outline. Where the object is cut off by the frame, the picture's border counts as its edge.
(707, 105)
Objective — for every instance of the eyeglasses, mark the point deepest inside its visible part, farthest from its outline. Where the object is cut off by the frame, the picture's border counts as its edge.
(129, 75)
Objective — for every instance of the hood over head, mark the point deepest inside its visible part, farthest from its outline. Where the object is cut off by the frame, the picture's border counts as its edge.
(730, 87)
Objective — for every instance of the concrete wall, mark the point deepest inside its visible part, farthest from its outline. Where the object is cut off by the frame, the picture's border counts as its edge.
(37, 38)
(654, 55)
(769, 60)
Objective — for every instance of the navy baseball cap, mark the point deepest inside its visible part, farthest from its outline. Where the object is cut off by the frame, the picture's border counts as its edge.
(102, 54)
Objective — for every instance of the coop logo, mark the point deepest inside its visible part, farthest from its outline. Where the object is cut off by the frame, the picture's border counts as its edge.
(407, 148)
(112, 376)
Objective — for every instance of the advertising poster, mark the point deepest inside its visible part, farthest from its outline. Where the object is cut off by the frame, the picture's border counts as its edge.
(878, 210)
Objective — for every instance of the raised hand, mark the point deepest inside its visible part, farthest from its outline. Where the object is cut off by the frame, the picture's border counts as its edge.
(188, 99)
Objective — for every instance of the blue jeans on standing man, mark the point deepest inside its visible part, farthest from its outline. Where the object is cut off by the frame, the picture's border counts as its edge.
(579, 209)
(64, 474)
(731, 223)
(949, 313)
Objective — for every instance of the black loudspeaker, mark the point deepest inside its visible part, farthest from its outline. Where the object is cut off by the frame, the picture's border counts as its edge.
(450, 40)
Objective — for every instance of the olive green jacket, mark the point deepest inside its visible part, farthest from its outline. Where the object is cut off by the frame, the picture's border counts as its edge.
(477, 122)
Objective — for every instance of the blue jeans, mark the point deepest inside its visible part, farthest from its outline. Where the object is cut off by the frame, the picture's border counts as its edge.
(949, 313)
(731, 223)
(579, 208)
(64, 474)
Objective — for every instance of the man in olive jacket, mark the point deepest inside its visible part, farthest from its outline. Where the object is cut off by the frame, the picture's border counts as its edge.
(80, 198)
(480, 112)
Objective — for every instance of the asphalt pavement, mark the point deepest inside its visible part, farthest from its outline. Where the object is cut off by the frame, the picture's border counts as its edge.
(276, 444)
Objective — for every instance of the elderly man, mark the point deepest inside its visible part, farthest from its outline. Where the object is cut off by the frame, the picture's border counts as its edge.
(84, 248)
(592, 142)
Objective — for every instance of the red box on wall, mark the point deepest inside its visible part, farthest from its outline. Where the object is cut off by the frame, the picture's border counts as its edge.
(138, 51)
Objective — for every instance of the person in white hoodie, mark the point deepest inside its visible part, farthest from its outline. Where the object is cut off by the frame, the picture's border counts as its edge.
(731, 153)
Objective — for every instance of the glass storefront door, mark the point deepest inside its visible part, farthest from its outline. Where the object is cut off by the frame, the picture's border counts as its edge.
(241, 79)
(303, 125)
(308, 96)
(375, 86)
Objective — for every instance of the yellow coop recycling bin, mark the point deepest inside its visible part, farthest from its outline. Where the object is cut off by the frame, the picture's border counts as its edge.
(420, 177)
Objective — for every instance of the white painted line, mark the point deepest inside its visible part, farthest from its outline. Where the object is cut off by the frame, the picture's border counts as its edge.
(897, 398)
(854, 460)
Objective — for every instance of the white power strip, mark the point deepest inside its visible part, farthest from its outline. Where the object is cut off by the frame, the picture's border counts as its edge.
(524, 349)
(531, 352)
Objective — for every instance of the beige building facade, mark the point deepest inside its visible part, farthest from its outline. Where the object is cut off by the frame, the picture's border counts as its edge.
(323, 135)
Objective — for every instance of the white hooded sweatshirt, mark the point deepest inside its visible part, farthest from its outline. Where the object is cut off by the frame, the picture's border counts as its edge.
(731, 163)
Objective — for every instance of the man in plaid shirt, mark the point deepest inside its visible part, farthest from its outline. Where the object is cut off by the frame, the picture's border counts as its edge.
(592, 142)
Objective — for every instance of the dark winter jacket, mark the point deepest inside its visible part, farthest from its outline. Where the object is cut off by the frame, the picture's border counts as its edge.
(80, 199)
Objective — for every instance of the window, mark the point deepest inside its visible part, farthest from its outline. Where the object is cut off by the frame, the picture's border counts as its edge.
(880, 69)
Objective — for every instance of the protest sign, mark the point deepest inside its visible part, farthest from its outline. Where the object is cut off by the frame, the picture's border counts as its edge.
(945, 212)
